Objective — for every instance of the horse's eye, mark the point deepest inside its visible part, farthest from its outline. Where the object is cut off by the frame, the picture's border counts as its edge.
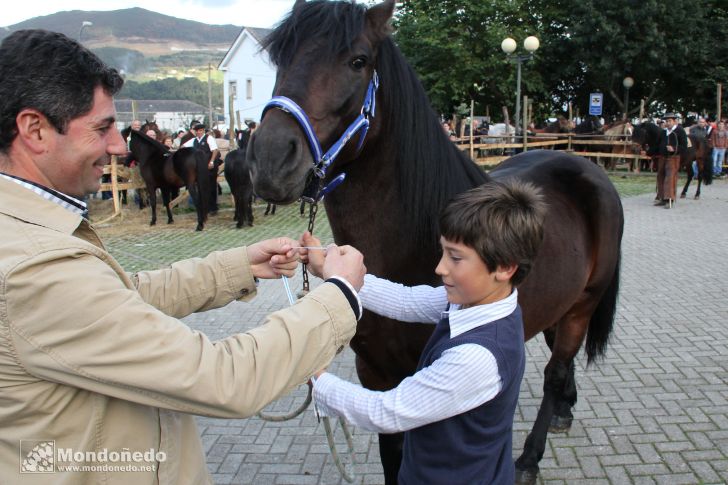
(359, 63)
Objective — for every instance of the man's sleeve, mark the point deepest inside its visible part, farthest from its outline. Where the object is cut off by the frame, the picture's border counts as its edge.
(83, 328)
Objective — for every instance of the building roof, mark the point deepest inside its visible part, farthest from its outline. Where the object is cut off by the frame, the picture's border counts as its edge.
(256, 33)
(158, 105)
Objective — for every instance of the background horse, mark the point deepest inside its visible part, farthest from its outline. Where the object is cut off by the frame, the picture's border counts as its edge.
(619, 131)
(237, 175)
(169, 171)
(397, 184)
(647, 135)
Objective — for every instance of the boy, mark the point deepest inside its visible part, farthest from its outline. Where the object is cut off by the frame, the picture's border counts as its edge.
(457, 409)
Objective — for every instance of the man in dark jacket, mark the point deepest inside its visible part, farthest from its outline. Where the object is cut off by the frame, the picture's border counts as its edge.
(672, 145)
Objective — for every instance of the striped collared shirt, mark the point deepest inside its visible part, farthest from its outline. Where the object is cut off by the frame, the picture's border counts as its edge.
(66, 201)
(463, 378)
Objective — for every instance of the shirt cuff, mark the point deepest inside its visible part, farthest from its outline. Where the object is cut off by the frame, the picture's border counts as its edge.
(321, 385)
(350, 293)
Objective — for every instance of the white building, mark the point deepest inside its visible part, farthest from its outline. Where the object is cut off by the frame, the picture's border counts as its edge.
(170, 114)
(248, 75)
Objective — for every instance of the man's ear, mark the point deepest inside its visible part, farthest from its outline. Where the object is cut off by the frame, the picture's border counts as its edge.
(34, 130)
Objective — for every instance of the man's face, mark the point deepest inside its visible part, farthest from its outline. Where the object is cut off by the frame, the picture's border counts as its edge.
(136, 125)
(199, 132)
(77, 158)
(670, 122)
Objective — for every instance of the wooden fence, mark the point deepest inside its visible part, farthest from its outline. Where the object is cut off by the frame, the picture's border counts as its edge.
(490, 150)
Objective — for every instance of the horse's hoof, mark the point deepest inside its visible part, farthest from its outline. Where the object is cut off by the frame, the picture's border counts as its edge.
(526, 477)
(560, 424)
(682, 196)
(250, 224)
(170, 221)
(153, 223)
(239, 225)
(697, 197)
(199, 227)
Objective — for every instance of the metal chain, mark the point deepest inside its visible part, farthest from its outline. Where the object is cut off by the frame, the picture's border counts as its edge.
(312, 209)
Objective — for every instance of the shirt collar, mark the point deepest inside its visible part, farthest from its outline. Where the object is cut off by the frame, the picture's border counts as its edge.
(66, 201)
(469, 318)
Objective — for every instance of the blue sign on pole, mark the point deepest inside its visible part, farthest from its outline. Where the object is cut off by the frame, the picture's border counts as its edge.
(595, 103)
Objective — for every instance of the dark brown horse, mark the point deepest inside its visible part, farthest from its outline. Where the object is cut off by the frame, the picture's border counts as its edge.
(401, 178)
(648, 136)
(167, 171)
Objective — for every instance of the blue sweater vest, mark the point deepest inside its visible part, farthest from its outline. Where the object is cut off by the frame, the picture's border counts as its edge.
(474, 447)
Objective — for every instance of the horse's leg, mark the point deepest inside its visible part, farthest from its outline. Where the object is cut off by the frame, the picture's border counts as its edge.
(559, 391)
(246, 206)
(301, 209)
(390, 454)
(689, 171)
(166, 200)
(153, 203)
(563, 417)
(701, 174)
(267, 209)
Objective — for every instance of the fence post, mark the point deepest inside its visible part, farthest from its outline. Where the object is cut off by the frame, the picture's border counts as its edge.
(114, 186)
(472, 122)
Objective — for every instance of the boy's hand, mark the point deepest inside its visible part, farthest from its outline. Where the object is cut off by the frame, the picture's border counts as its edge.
(313, 258)
(345, 262)
(273, 258)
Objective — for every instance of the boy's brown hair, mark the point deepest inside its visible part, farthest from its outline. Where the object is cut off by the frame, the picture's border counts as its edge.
(501, 221)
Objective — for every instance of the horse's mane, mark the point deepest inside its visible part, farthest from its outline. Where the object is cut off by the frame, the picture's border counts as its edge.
(431, 170)
(338, 24)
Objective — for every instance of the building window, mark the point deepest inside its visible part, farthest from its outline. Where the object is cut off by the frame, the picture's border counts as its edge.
(249, 88)
(234, 89)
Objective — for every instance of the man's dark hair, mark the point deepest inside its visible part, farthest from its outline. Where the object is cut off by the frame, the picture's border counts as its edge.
(501, 221)
(51, 73)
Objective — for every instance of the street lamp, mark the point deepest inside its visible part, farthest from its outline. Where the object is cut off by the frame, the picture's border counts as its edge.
(509, 46)
(627, 82)
(84, 24)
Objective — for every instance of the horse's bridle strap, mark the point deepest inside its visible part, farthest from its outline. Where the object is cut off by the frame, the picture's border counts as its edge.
(322, 161)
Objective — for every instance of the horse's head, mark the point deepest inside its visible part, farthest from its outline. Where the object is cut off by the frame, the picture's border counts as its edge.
(326, 53)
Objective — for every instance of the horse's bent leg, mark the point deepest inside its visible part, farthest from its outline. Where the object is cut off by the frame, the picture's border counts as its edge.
(390, 453)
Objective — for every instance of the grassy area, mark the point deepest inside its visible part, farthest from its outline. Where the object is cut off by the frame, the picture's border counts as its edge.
(630, 184)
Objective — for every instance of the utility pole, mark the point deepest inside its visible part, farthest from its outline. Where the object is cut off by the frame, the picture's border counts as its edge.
(209, 94)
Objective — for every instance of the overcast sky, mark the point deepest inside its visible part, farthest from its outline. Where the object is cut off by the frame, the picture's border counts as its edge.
(250, 13)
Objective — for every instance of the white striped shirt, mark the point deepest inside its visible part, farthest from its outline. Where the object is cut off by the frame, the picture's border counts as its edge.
(463, 378)
(66, 201)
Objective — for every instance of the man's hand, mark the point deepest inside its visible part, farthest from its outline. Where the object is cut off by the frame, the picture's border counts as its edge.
(273, 258)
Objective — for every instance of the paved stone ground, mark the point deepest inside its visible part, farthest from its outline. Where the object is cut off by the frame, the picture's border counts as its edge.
(655, 411)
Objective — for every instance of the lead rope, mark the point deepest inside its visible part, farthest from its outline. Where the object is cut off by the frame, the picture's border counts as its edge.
(346, 472)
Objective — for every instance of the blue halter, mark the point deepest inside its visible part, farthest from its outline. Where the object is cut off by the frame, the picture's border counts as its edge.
(322, 161)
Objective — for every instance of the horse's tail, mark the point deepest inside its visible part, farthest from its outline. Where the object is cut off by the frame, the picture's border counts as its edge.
(602, 320)
(204, 189)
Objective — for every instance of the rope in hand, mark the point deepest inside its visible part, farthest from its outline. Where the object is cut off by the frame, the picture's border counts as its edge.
(346, 471)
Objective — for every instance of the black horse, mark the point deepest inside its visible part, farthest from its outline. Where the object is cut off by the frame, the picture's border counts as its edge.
(237, 175)
(647, 135)
(397, 184)
(167, 171)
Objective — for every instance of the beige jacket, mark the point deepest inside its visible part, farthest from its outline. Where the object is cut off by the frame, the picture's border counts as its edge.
(95, 361)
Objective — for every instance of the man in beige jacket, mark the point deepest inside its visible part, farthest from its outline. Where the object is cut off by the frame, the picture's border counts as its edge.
(99, 380)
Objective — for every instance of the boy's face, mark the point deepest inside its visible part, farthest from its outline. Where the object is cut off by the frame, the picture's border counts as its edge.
(466, 278)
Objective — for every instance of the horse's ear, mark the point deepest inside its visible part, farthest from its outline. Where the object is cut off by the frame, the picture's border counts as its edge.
(298, 4)
(378, 18)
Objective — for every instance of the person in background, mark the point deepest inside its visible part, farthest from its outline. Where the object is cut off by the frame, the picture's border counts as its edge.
(719, 141)
(206, 143)
(675, 143)
(167, 141)
(457, 410)
(95, 359)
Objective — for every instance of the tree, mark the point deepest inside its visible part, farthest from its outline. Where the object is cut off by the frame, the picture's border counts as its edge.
(673, 50)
